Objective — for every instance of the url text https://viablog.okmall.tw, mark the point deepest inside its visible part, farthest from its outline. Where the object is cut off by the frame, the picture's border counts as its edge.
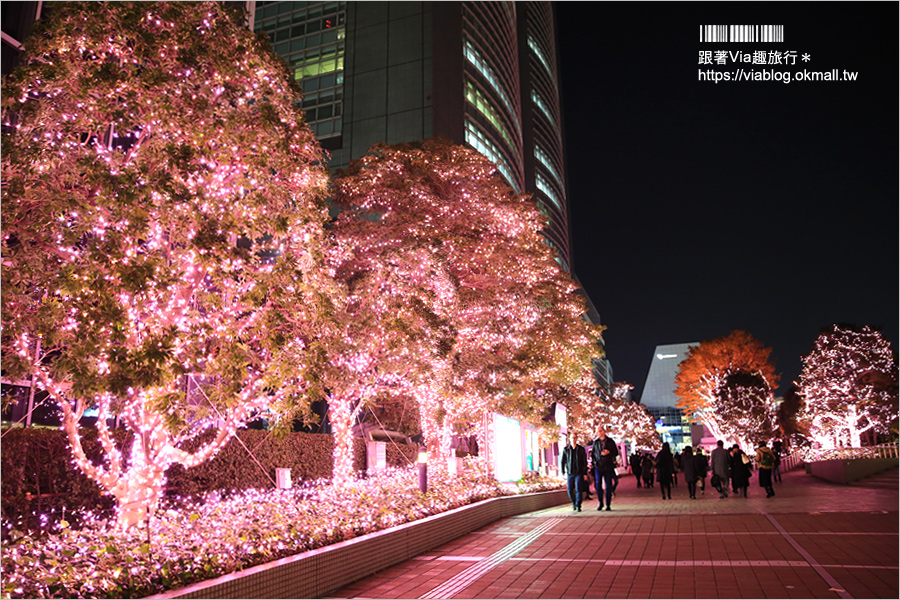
(777, 75)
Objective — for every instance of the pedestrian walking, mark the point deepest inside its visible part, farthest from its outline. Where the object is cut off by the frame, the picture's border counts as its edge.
(721, 469)
(701, 466)
(765, 458)
(665, 467)
(690, 474)
(778, 449)
(648, 468)
(635, 462)
(603, 458)
(574, 466)
(740, 470)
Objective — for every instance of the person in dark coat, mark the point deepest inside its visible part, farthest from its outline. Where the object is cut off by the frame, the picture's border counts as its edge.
(574, 466)
(721, 468)
(701, 467)
(647, 468)
(765, 459)
(635, 462)
(665, 467)
(740, 471)
(778, 449)
(687, 467)
(603, 458)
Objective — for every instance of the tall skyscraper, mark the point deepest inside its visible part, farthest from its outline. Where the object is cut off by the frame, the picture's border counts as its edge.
(479, 73)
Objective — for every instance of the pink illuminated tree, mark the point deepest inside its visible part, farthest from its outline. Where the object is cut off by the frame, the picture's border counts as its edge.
(394, 331)
(501, 313)
(623, 420)
(162, 237)
(848, 385)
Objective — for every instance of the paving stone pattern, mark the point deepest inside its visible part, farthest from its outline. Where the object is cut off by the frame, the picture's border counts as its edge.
(814, 539)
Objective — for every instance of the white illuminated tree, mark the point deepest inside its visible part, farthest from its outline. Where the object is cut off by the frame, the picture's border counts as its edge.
(848, 385)
(162, 218)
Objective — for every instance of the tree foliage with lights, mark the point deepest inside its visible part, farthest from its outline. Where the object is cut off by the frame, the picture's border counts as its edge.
(162, 237)
(787, 415)
(727, 383)
(849, 385)
(623, 420)
(394, 330)
(495, 311)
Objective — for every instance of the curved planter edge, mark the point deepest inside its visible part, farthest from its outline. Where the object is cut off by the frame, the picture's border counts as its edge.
(315, 573)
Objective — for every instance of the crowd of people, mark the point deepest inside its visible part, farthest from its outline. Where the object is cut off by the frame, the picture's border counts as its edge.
(730, 468)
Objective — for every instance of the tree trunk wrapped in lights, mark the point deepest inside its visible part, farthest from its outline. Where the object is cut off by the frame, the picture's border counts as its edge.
(393, 330)
(848, 385)
(503, 285)
(162, 217)
(728, 383)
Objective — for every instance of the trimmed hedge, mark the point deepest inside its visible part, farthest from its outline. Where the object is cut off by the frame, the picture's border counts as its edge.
(38, 475)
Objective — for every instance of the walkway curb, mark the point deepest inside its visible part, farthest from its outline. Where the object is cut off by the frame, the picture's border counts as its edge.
(315, 573)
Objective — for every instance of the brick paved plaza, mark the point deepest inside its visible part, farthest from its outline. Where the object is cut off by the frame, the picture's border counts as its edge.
(814, 539)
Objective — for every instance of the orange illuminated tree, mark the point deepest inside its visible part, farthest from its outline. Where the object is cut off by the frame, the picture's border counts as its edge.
(727, 384)
(162, 242)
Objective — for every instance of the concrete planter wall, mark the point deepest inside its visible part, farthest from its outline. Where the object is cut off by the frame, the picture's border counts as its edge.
(315, 573)
(849, 470)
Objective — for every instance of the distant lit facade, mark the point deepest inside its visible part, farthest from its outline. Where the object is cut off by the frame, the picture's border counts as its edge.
(659, 395)
(482, 74)
(602, 368)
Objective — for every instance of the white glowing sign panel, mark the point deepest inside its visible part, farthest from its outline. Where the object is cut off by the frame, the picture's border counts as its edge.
(560, 415)
(507, 448)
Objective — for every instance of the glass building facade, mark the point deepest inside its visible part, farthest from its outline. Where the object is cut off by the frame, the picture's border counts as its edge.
(659, 395)
(478, 73)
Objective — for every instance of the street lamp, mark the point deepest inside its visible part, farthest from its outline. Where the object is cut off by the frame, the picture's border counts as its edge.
(423, 470)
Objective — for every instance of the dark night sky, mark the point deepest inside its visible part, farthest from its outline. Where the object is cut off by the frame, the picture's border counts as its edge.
(700, 208)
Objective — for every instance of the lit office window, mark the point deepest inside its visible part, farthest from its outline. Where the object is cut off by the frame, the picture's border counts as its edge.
(539, 102)
(310, 37)
(481, 143)
(478, 62)
(544, 186)
(544, 159)
(477, 99)
(540, 55)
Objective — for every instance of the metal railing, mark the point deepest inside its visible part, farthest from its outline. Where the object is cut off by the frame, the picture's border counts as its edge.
(880, 451)
(791, 461)
(799, 457)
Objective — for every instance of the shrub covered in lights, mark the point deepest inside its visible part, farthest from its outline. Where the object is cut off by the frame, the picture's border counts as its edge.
(222, 535)
(162, 235)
